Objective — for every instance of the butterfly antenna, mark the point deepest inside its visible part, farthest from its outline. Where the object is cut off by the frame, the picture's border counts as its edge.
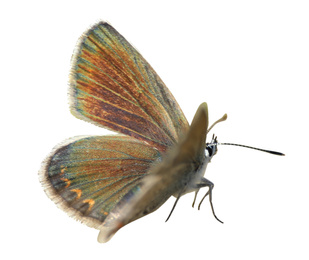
(254, 148)
(223, 118)
(218, 121)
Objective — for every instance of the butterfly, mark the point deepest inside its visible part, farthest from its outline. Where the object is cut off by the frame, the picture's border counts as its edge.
(109, 181)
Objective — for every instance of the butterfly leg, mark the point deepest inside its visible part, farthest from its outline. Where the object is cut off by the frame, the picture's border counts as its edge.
(199, 205)
(206, 183)
(178, 197)
(195, 195)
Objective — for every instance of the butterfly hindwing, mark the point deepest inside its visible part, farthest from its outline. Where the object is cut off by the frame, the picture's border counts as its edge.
(113, 86)
(88, 176)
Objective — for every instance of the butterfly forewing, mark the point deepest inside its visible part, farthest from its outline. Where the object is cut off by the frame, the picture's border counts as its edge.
(113, 86)
(90, 175)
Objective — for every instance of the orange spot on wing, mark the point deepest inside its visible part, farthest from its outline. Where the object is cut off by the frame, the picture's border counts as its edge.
(78, 193)
(67, 181)
(90, 202)
(62, 170)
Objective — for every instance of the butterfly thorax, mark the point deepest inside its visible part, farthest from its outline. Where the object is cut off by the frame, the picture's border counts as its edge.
(196, 177)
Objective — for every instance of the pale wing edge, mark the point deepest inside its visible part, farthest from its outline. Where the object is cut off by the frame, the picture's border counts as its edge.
(52, 194)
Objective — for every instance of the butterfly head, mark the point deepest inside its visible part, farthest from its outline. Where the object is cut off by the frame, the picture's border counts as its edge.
(211, 148)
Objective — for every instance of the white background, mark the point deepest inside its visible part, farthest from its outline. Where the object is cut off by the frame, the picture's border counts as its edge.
(249, 59)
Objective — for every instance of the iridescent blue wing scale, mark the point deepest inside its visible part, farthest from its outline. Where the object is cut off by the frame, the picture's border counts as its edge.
(88, 176)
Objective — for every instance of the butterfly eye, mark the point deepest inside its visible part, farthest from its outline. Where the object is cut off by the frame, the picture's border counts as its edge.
(209, 151)
(211, 148)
